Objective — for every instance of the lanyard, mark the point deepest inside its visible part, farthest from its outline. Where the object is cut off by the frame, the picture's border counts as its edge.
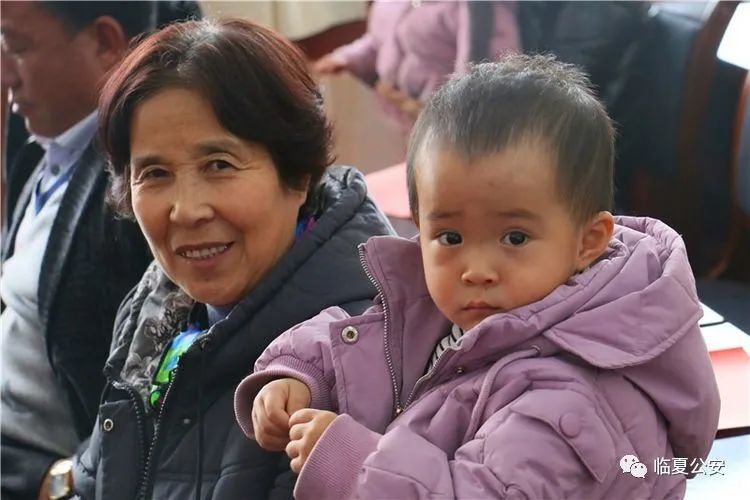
(42, 197)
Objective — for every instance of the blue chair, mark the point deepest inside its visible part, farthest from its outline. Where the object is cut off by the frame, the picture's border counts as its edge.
(675, 119)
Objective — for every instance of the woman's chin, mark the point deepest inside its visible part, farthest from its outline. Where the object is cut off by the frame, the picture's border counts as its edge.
(217, 294)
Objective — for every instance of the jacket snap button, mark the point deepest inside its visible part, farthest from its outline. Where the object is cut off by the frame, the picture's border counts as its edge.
(459, 370)
(570, 424)
(108, 425)
(349, 334)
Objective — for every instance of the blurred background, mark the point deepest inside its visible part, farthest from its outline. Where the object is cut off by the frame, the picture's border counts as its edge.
(673, 75)
(680, 103)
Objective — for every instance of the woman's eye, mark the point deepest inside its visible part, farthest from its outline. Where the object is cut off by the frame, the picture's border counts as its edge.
(220, 165)
(449, 238)
(152, 173)
(515, 238)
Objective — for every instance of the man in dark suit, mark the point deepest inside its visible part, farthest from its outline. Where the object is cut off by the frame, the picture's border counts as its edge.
(67, 263)
(16, 135)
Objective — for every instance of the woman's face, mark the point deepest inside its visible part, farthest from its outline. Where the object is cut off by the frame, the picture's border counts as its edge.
(211, 205)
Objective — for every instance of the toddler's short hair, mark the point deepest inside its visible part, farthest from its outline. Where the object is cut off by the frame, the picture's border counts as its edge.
(520, 98)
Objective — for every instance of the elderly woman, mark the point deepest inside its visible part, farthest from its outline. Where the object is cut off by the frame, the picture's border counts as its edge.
(219, 148)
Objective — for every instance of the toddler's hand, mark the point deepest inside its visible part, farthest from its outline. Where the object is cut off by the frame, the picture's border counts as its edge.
(305, 428)
(390, 92)
(407, 104)
(329, 64)
(412, 107)
(272, 407)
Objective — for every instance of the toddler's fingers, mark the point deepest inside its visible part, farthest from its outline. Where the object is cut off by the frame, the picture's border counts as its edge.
(297, 431)
(302, 416)
(294, 451)
(274, 408)
(296, 465)
(269, 430)
(269, 435)
(272, 443)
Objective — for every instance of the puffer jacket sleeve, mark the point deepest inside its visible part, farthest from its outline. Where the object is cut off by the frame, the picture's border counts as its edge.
(519, 452)
(361, 56)
(302, 352)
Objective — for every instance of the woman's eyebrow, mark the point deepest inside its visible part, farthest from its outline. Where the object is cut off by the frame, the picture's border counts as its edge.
(141, 162)
(216, 146)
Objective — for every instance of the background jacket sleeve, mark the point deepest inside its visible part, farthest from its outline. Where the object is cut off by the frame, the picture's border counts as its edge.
(360, 56)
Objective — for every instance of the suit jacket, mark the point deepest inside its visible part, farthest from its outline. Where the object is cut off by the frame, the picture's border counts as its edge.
(91, 261)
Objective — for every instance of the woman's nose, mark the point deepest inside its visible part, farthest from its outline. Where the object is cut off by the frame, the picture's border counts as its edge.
(191, 204)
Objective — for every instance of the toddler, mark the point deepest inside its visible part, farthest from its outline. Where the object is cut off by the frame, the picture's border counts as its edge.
(523, 345)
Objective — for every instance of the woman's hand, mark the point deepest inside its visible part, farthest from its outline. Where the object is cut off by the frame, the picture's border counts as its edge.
(329, 64)
(305, 428)
(272, 407)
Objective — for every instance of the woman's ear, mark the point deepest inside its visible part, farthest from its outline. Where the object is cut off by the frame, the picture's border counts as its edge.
(304, 190)
(595, 237)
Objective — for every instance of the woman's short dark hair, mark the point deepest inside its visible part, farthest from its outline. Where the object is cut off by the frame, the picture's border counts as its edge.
(520, 98)
(256, 81)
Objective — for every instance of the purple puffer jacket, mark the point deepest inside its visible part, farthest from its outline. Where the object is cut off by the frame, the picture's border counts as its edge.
(416, 48)
(540, 402)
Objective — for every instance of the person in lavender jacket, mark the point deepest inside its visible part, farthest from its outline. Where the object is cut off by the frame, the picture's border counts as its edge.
(411, 48)
(527, 345)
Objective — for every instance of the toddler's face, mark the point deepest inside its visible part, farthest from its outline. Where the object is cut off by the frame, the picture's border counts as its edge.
(494, 234)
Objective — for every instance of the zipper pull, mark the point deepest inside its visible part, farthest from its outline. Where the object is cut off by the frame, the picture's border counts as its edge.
(205, 343)
(399, 410)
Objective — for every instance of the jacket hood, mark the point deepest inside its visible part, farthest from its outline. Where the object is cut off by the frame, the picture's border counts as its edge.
(634, 310)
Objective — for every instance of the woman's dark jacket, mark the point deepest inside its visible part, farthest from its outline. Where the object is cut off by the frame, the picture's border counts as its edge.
(131, 456)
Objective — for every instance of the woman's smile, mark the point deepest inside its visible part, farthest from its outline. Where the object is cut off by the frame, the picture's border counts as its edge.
(203, 251)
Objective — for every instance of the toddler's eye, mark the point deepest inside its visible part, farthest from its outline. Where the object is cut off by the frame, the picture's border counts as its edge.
(449, 238)
(515, 239)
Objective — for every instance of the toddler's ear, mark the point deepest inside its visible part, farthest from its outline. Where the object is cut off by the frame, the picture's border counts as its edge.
(595, 237)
